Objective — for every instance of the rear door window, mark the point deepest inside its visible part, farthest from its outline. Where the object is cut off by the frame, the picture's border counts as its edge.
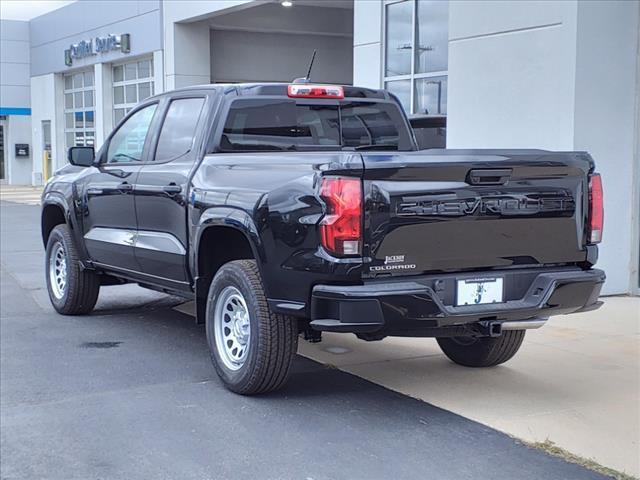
(285, 124)
(179, 128)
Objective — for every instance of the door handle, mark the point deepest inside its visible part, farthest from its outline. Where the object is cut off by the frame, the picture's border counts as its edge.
(94, 191)
(489, 177)
(125, 187)
(172, 189)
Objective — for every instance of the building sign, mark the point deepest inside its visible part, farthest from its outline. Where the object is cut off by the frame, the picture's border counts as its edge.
(94, 46)
(22, 149)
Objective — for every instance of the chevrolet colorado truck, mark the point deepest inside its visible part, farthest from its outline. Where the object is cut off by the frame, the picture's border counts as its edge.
(288, 209)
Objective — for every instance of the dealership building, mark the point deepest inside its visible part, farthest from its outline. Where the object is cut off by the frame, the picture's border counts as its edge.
(527, 74)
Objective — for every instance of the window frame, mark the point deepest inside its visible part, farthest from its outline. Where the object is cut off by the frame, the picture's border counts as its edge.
(413, 76)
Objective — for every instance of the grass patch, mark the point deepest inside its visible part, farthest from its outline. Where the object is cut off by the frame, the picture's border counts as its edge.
(551, 448)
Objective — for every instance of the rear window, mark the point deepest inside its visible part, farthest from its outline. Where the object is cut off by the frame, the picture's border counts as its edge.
(286, 124)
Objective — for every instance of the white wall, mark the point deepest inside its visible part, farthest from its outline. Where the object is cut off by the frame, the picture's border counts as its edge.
(14, 93)
(511, 74)
(556, 76)
(43, 94)
(18, 131)
(606, 124)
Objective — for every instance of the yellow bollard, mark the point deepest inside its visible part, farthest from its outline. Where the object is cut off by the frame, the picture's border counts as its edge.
(45, 166)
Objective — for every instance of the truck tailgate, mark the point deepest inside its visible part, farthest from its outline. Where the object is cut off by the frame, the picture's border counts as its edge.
(452, 210)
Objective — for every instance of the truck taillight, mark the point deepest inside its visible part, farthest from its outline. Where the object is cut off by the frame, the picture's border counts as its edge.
(596, 209)
(304, 90)
(341, 227)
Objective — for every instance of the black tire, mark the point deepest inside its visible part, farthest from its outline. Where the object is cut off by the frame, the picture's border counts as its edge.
(82, 287)
(482, 351)
(273, 339)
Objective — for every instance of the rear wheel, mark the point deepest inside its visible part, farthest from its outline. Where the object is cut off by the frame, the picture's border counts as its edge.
(251, 347)
(482, 351)
(72, 290)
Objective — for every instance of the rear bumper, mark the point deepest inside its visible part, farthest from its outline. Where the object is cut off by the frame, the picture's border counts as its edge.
(427, 303)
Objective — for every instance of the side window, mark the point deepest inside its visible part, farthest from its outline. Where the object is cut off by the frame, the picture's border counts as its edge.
(127, 143)
(179, 128)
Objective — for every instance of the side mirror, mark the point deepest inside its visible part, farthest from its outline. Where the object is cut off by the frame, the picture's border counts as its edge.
(81, 156)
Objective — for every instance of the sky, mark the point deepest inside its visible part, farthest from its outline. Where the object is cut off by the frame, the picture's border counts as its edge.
(26, 9)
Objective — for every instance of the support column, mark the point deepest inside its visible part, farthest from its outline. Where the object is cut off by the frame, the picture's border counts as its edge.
(103, 74)
(367, 44)
(187, 50)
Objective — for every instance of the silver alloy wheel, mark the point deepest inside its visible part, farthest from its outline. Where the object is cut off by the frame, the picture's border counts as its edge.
(232, 328)
(58, 270)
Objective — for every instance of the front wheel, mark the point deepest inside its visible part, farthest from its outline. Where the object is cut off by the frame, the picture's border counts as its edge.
(72, 290)
(251, 348)
(482, 351)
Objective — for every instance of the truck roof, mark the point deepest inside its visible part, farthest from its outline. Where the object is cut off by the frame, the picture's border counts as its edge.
(277, 88)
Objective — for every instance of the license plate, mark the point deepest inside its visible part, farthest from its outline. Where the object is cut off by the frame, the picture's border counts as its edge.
(479, 291)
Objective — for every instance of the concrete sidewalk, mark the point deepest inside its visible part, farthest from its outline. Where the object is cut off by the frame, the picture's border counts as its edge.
(25, 194)
(575, 381)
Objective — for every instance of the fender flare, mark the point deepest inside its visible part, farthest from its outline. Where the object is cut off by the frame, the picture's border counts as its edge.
(56, 199)
(227, 217)
(231, 218)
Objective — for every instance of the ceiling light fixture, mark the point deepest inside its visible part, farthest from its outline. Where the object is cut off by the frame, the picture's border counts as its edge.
(286, 3)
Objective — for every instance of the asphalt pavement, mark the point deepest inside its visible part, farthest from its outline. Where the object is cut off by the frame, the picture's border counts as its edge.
(128, 392)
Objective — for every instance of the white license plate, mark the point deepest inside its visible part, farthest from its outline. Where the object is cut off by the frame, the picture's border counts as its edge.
(478, 291)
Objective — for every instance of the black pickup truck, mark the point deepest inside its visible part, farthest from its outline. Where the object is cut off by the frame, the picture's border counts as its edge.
(287, 209)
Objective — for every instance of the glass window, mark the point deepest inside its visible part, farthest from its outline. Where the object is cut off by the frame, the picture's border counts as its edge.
(88, 98)
(402, 90)
(118, 114)
(144, 90)
(431, 96)
(88, 119)
(118, 95)
(179, 128)
(368, 124)
(130, 95)
(127, 144)
(432, 34)
(118, 73)
(77, 81)
(144, 69)
(399, 18)
(79, 101)
(130, 71)
(132, 83)
(283, 124)
(88, 79)
(416, 54)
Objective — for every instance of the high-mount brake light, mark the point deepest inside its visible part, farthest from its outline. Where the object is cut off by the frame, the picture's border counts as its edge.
(596, 209)
(304, 90)
(341, 227)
